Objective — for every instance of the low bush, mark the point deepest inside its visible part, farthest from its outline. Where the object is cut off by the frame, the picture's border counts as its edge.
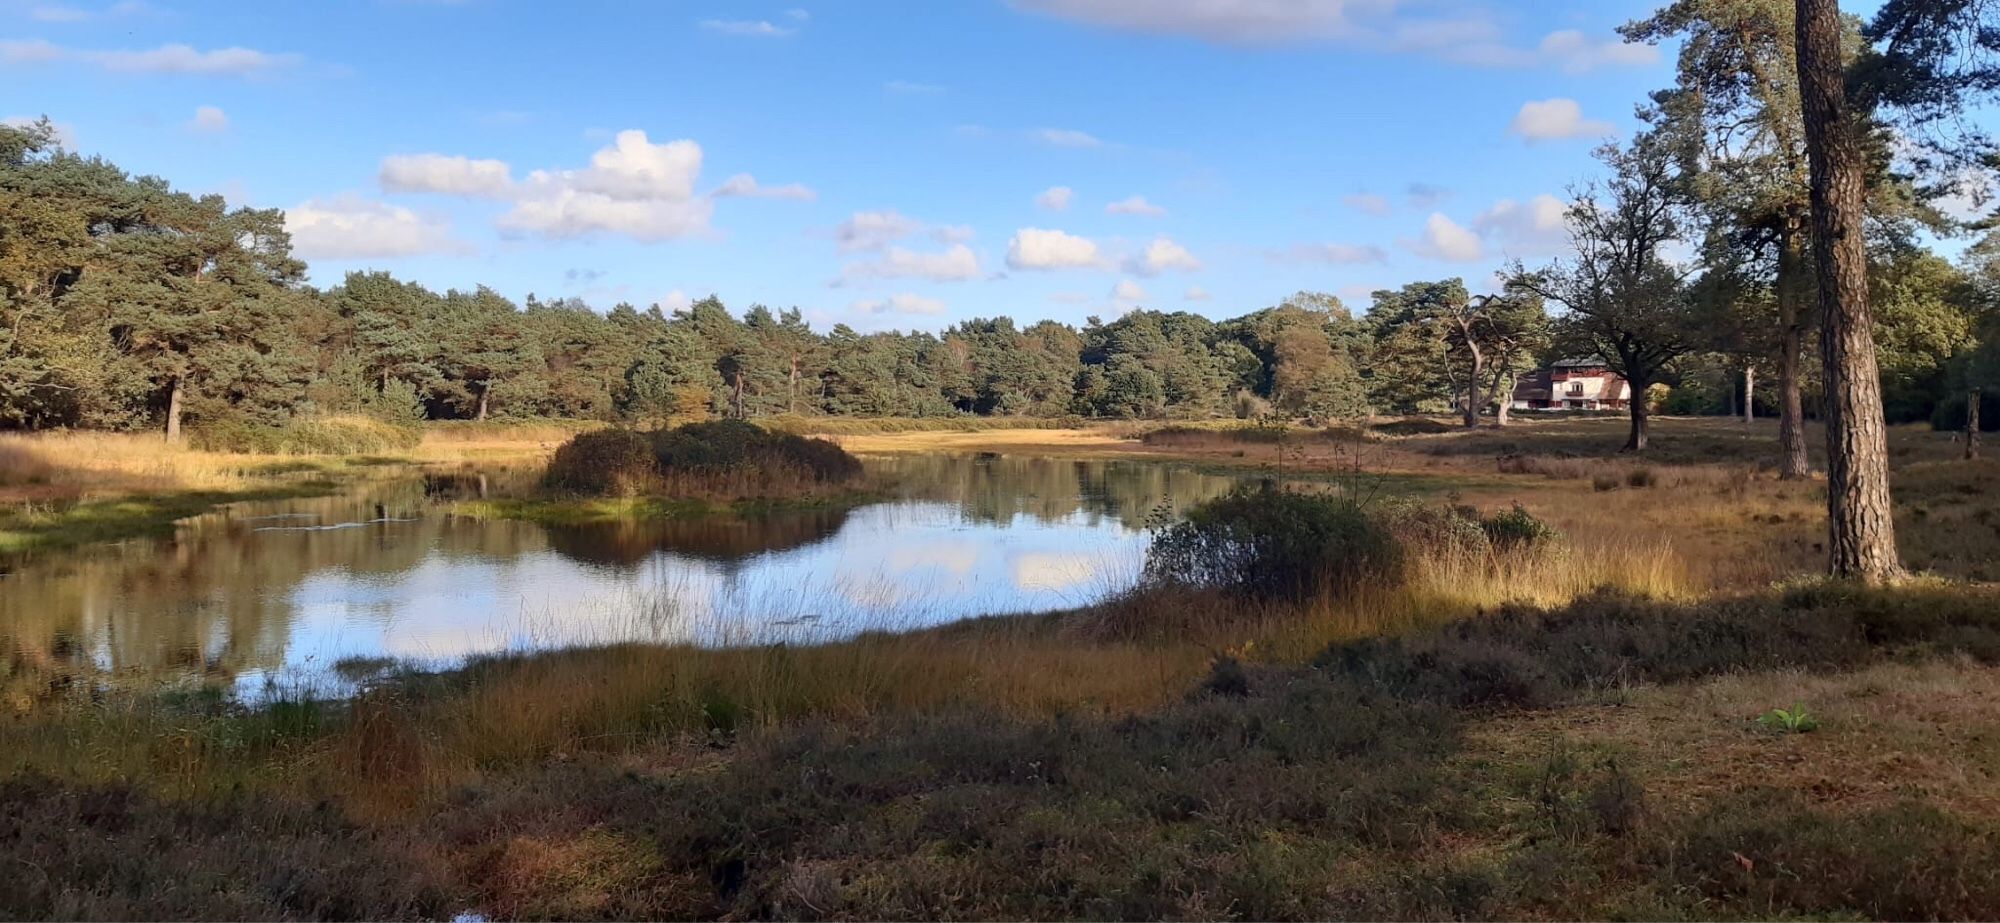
(311, 436)
(1516, 528)
(727, 458)
(615, 462)
(1268, 543)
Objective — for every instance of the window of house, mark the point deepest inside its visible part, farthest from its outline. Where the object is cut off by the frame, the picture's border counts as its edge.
(1576, 388)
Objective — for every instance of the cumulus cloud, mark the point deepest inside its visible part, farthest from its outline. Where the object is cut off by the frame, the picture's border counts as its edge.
(351, 227)
(1055, 198)
(1136, 205)
(1160, 256)
(1336, 254)
(1549, 119)
(1577, 53)
(906, 304)
(1445, 239)
(166, 59)
(209, 120)
(746, 186)
(956, 263)
(874, 230)
(1196, 293)
(1367, 202)
(1042, 249)
(1128, 290)
(1536, 227)
(445, 175)
(1067, 137)
(748, 28)
(562, 211)
(675, 301)
(1469, 36)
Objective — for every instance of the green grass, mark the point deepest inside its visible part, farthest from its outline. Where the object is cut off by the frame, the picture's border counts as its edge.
(34, 527)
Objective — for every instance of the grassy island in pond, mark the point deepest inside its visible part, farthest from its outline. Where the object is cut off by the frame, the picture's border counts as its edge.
(691, 470)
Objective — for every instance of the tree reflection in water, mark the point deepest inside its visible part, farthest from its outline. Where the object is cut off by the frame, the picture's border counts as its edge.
(243, 593)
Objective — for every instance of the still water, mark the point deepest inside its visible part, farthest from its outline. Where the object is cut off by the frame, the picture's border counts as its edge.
(283, 591)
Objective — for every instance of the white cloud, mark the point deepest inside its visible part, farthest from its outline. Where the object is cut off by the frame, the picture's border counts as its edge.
(674, 301)
(1468, 36)
(956, 263)
(65, 132)
(1136, 205)
(1067, 137)
(166, 59)
(1055, 198)
(1367, 202)
(350, 227)
(1128, 290)
(874, 230)
(29, 51)
(632, 187)
(953, 233)
(172, 59)
(749, 28)
(636, 168)
(209, 120)
(1041, 249)
(746, 186)
(1336, 254)
(1197, 293)
(565, 212)
(445, 175)
(1548, 119)
(901, 304)
(1536, 227)
(1160, 256)
(1445, 239)
(1577, 53)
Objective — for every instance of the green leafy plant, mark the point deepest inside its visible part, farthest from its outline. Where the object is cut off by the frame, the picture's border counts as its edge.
(1794, 720)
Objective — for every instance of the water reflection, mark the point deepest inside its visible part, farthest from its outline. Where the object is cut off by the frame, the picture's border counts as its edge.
(290, 587)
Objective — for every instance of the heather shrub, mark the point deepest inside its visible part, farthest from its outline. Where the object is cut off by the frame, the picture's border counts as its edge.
(1268, 543)
(606, 461)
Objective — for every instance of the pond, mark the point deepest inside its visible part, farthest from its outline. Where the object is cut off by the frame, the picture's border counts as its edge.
(266, 594)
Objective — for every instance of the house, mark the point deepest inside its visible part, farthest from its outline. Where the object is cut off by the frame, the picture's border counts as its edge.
(1573, 384)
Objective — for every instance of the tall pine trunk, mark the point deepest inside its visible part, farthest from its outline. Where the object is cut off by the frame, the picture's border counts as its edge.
(1972, 399)
(1472, 389)
(174, 400)
(1793, 463)
(1749, 394)
(1861, 535)
(485, 390)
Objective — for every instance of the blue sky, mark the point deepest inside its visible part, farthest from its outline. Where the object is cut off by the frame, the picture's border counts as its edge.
(884, 164)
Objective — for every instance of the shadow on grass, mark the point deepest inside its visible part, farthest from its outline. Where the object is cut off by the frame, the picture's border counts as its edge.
(67, 525)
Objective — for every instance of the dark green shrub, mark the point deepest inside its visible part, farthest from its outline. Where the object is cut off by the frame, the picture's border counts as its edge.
(1268, 543)
(606, 461)
(1516, 528)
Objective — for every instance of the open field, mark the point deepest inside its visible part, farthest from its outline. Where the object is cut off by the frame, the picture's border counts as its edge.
(1569, 730)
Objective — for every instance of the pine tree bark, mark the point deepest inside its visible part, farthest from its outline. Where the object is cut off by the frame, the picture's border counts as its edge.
(1861, 535)
(1749, 394)
(1472, 385)
(174, 401)
(485, 389)
(1793, 462)
(1972, 399)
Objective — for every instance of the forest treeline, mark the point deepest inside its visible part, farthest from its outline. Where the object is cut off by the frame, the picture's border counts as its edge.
(125, 304)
